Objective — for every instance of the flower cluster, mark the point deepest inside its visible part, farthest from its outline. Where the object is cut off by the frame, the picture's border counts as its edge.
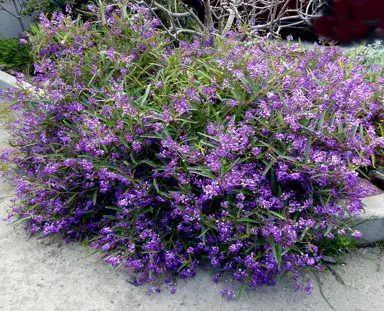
(372, 58)
(167, 155)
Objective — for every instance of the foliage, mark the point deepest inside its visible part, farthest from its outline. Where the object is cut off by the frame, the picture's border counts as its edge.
(48, 7)
(371, 56)
(15, 55)
(338, 247)
(368, 55)
(164, 157)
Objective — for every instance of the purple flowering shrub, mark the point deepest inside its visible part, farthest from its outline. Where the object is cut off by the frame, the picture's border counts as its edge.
(165, 157)
(371, 58)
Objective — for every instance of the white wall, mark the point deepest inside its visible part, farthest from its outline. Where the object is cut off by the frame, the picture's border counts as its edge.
(9, 25)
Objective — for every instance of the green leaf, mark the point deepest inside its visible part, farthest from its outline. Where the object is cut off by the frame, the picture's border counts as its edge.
(20, 220)
(268, 167)
(132, 156)
(145, 96)
(321, 120)
(216, 114)
(202, 172)
(329, 228)
(156, 185)
(361, 132)
(241, 291)
(123, 141)
(226, 168)
(277, 215)
(94, 198)
(321, 83)
(203, 233)
(308, 150)
(277, 251)
(248, 220)
(210, 137)
(238, 113)
(115, 208)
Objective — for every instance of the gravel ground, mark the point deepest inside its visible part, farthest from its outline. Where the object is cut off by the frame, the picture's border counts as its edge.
(48, 275)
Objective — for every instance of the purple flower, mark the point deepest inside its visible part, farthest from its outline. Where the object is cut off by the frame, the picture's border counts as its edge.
(357, 234)
(229, 294)
(169, 156)
(309, 287)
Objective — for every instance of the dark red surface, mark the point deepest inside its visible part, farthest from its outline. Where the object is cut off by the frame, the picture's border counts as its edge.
(350, 20)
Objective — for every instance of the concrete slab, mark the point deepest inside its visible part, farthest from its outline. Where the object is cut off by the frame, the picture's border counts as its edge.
(6, 80)
(371, 222)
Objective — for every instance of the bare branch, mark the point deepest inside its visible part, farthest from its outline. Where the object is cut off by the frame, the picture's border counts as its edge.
(267, 15)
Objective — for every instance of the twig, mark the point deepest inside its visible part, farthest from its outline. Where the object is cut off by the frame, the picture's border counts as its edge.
(318, 281)
(268, 15)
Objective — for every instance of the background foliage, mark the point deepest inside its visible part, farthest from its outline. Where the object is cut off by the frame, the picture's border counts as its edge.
(15, 55)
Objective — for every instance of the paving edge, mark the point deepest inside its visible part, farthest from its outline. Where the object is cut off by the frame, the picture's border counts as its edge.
(370, 222)
(6, 80)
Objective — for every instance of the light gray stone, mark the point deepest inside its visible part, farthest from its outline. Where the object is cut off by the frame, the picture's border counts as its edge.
(371, 222)
(6, 80)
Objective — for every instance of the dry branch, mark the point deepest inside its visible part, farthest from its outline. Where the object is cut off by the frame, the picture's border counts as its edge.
(269, 16)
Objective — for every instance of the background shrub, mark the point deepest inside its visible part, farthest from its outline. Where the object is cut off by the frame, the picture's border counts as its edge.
(368, 55)
(15, 55)
(163, 157)
(48, 7)
(371, 56)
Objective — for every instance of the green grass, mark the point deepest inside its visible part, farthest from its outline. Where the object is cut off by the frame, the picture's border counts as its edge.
(338, 247)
